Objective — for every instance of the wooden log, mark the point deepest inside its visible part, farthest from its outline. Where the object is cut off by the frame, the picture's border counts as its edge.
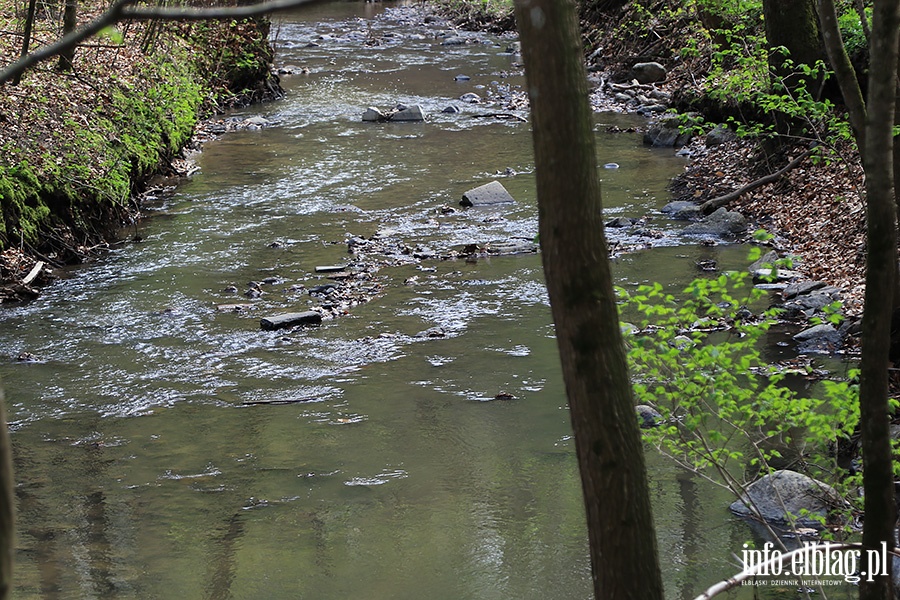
(273, 322)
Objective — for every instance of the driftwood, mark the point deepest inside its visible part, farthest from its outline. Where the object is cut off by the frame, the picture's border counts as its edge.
(309, 317)
(500, 115)
(711, 205)
(33, 273)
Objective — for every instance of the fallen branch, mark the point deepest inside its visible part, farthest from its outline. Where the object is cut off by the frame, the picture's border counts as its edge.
(33, 273)
(500, 116)
(280, 401)
(710, 205)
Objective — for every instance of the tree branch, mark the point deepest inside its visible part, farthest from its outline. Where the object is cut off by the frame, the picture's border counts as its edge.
(123, 11)
(714, 203)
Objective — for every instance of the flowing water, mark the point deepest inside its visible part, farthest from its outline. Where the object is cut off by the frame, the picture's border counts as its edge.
(165, 449)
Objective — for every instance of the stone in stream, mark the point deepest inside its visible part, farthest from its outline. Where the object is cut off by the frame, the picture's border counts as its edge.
(721, 223)
(281, 321)
(683, 210)
(784, 494)
(470, 98)
(801, 288)
(648, 417)
(487, 195)
(408, 113)
(373, 115)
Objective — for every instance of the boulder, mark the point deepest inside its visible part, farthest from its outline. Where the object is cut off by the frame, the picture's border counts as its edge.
(800, 288)
(487, 195)
(648, 72)
(409, 114)
(373, 114)
(765, 261)
(785, 495)
(620, 222)
(666, 134)
(819, 339)
(682, 210)
(721, 223)
(719, 135)
(648, 416)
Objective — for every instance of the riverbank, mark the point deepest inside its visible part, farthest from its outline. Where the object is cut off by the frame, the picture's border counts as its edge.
(815, 211)
(79, 145)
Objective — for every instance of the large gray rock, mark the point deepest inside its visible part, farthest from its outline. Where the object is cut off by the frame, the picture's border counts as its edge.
(800, 288)
(408, 113)
(719, 135)
(486, 195)
(373, 115)
(666, 134)
(819, 339)
(721, 223)
(783, 495)
(648, 72)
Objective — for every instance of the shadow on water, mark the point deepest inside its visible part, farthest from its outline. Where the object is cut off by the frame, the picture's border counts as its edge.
(388, 468)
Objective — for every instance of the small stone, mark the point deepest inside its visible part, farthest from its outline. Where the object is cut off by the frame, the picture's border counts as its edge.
(486, 195)
(470, 98)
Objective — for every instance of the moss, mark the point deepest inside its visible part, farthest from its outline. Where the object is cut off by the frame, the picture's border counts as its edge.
(84, 176)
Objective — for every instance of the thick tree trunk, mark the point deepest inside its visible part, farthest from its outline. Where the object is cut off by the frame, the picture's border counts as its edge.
(579, 281)
(881, 214)
(794, 25)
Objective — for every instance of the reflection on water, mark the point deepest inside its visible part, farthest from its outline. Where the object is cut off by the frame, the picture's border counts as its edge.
(149, 465)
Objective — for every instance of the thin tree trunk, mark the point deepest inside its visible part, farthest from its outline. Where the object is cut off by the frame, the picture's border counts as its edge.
(607, 439)
(881, 214)
(843, 70)
(26, 36)
(70, 21)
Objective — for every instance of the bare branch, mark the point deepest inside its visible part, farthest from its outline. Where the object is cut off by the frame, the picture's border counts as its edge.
(123, 11)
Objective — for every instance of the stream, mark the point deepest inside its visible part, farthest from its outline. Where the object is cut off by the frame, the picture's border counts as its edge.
(168, 449)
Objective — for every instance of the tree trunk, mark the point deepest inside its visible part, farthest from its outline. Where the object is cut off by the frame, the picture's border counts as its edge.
(607, 439)
(794, 25)
(881, 214)
(70, 21)
(26, 36)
